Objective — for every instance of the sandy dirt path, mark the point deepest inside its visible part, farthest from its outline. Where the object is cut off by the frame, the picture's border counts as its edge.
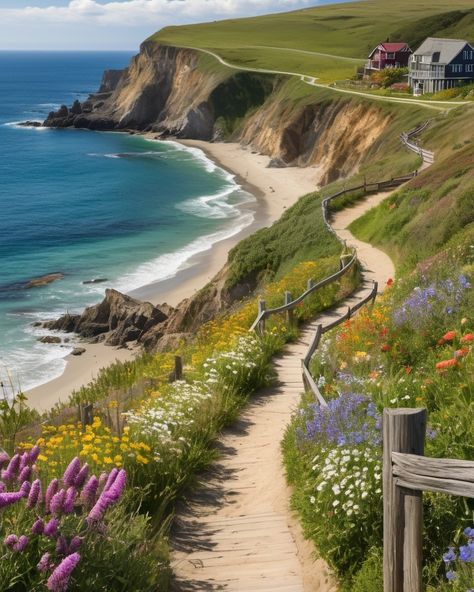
(237, 532)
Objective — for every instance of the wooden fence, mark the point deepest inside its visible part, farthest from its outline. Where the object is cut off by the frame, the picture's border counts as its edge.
(407, 139)
(406, 474)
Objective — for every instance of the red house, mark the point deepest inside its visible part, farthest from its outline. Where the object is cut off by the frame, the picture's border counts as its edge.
(388, 55)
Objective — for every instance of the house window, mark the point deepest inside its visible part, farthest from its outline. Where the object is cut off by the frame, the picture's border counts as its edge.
(465, 55)
(456, 68)
(470, 68)
(390, 56)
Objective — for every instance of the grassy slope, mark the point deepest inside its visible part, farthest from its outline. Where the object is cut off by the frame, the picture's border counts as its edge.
(347, 30)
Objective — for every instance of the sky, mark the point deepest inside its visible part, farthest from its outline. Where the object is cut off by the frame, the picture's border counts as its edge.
(115, 24)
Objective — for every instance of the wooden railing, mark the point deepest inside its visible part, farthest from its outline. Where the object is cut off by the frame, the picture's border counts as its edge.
(308, 380)
(406, 138)
(406, 474)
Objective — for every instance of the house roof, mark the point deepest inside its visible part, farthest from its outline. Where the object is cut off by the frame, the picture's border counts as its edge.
(447, 49)
(394, 47)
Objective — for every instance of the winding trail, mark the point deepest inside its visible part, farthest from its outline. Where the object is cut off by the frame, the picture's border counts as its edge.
(237, 533)
(311, 81)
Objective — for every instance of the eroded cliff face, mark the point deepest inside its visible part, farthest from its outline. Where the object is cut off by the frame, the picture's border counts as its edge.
(165, 91)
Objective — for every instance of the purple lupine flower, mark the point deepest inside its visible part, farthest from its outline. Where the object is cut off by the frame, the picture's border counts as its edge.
(2, 487)
(57, 501)
(111, 478)
(35, 494)
(38, 527)
(12, 469)
(81, 476)
(99, 509)
(51, 528)
(50, 492)
(75, 544)
(71, 472)
(33, 454)
(88, 495)
(20, 546)
(69, 499)
(4, 458)
(9, 498)
(43, 564)
(23, 461)
(25, 488)
(10, 540)
(116, 489)
(25, 474)
(61, 546)
(58, 580)
(103, 478)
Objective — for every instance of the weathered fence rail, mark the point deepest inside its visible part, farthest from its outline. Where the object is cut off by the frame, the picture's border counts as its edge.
(406, 474)
(406, 138)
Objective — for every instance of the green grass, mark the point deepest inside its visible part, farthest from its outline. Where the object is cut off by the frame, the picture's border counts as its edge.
(349, 30)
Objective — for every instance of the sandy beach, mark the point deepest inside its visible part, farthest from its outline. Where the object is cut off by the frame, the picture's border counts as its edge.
(275, 190)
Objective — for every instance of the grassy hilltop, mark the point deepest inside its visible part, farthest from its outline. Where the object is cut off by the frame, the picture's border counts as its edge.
(348, 31)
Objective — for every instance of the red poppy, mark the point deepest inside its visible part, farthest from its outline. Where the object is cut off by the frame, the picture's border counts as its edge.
(446, 364)
(449, 336)
(385, 347)
(407, 369)
(383, 331)
(389, 282)
(467, 338)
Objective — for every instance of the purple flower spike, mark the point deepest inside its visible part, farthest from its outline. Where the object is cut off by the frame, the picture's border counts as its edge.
(38, 527)
(50, 492)
(2, 487)
(71, 472)
(61, 546)
(69, 499)
(81, 476)
(117, 487)
(57, 501)
(51, 528)
(103, 478)
(59, 579)
(20, 546)
(35, 494)
(88, 495)
(75, 544)
(4, 458)
(43, 564)
(10, 540)
(25, 474)
(23, 461)
(9, 498)
(25, 488)
(12, 469)
(112, 476)
(33, 455)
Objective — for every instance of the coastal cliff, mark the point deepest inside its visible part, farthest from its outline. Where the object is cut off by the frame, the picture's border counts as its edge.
(168, 91)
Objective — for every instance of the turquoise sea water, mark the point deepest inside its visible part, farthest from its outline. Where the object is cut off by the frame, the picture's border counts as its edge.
(89, 205)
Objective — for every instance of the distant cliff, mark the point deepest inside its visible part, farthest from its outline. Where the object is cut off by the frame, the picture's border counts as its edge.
(164, 90)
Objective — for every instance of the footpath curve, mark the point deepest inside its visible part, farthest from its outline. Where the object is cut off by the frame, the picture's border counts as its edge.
(237, 532)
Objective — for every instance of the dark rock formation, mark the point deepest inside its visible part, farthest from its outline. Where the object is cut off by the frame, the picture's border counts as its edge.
(110, 80)
(95, 281)
(49, 339)
(30, 124)
(78, 351)
(117, 320)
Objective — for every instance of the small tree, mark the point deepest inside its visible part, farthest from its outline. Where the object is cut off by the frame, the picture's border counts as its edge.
(389, 76)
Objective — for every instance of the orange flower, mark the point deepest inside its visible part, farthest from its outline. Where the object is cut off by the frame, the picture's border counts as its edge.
(459, 353)
(446, 364)
(407, 369)
(385, 347)
(383, 331)
(467, 338)
(389, 282)
(449, 336)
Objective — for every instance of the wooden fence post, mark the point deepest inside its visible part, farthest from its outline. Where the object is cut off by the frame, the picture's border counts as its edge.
(289, 313)
(403, 431)
(87, 414)
(261, 309)
(310, 284)
(178, 368)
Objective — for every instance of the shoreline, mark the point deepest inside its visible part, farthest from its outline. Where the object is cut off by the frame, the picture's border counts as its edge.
(275, 189)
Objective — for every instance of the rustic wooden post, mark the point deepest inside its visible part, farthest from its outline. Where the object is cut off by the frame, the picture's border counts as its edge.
(87, 414)
(289, 313)
(349, 312)
(403, 431)
(310, 284)
(261, 309)
(178, 368)
(375, 292)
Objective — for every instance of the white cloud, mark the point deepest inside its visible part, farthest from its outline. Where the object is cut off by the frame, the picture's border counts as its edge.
(136, 12)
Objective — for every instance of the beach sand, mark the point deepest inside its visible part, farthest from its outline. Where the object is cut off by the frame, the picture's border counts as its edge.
(275, 190)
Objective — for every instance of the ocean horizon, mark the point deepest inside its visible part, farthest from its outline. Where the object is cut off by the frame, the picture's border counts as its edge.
(90, 205)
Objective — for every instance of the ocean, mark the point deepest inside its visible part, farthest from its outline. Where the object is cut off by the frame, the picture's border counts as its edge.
(89, 205)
